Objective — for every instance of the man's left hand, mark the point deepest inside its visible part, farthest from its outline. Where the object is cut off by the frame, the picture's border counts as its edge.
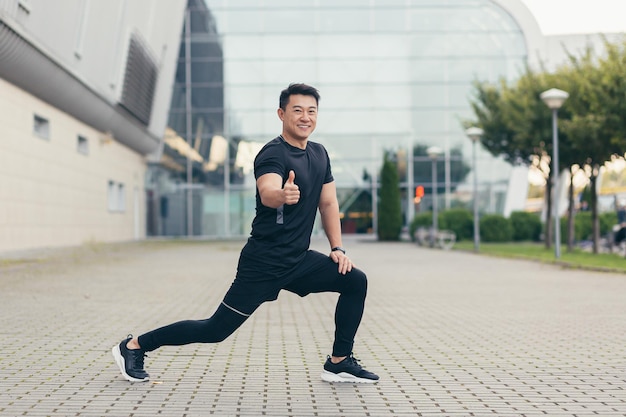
(345, 264)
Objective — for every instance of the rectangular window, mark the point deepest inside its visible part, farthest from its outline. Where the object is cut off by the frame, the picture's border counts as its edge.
(121, 198)
(116, 197)
(41, 127)
(82, 145)
(112, 196)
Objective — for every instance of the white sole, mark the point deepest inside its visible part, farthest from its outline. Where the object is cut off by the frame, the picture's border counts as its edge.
(345, 377)
(119, 360)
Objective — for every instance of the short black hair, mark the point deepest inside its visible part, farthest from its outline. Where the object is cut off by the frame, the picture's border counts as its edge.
(296, 88)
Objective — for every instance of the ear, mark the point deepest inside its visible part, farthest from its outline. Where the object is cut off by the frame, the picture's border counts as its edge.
(281, 114)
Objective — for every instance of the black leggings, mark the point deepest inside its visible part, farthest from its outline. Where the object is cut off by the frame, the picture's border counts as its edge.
(352, 288)
(212, 330)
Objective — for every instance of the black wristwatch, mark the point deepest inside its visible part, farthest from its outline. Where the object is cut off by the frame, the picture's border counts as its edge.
(338, 248)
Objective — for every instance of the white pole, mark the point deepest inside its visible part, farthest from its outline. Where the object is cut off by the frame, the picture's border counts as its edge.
(476, 220)
(188, 121)
(555, 185)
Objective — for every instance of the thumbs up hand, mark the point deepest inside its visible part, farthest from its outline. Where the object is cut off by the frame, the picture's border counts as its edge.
(291, 192)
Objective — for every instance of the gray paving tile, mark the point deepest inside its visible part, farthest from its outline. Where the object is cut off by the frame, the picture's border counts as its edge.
(450, 334)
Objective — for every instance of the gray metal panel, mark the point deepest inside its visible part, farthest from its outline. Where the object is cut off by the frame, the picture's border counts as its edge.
(139, 80)
(28, 68)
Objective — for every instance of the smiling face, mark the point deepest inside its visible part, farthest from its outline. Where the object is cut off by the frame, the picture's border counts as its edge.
(299, 119)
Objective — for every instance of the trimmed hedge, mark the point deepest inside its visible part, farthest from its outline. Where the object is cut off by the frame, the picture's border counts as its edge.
(460, 221)
(526, 226)
(495, 228)
(520, 226)
(424, 219)
(582, 225)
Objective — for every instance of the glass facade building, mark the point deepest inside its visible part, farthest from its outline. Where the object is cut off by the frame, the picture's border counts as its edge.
(394, 76)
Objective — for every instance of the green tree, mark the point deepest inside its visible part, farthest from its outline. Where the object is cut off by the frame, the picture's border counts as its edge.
(597, 128)
(517, 124)
(489, 108)
(531, 121)
(389, 207)
(592, 126)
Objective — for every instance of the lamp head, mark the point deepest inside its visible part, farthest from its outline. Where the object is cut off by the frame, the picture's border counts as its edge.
(554, 98)
(474, 133)
(433, 152)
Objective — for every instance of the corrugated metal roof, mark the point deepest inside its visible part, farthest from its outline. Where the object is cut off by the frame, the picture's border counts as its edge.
(25, 66)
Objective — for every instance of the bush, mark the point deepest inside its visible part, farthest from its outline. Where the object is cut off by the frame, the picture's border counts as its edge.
(607, 221)
(495, 228)
(460, 221)
(582, 226)
(526, 226)
(563, 222)
(583, 229)
(424, 219)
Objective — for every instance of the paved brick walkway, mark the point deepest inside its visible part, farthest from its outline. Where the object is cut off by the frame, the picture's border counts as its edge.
(450, 334)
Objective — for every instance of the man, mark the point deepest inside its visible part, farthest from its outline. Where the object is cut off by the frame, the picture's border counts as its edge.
(620, 227)
(294, 180)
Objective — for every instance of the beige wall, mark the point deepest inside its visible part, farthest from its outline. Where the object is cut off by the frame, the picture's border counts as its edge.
(52, 195)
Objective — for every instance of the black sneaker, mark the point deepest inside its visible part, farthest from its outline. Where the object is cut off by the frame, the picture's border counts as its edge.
(348, 370)
(130, 361)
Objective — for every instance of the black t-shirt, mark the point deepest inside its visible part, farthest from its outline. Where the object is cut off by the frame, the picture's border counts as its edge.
(280, 237)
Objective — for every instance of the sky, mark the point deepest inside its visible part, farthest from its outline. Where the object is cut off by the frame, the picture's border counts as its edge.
(558, 17)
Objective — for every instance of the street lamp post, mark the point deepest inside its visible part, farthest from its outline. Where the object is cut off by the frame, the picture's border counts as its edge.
(433, 153)
(554, 99)
(475, 133)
